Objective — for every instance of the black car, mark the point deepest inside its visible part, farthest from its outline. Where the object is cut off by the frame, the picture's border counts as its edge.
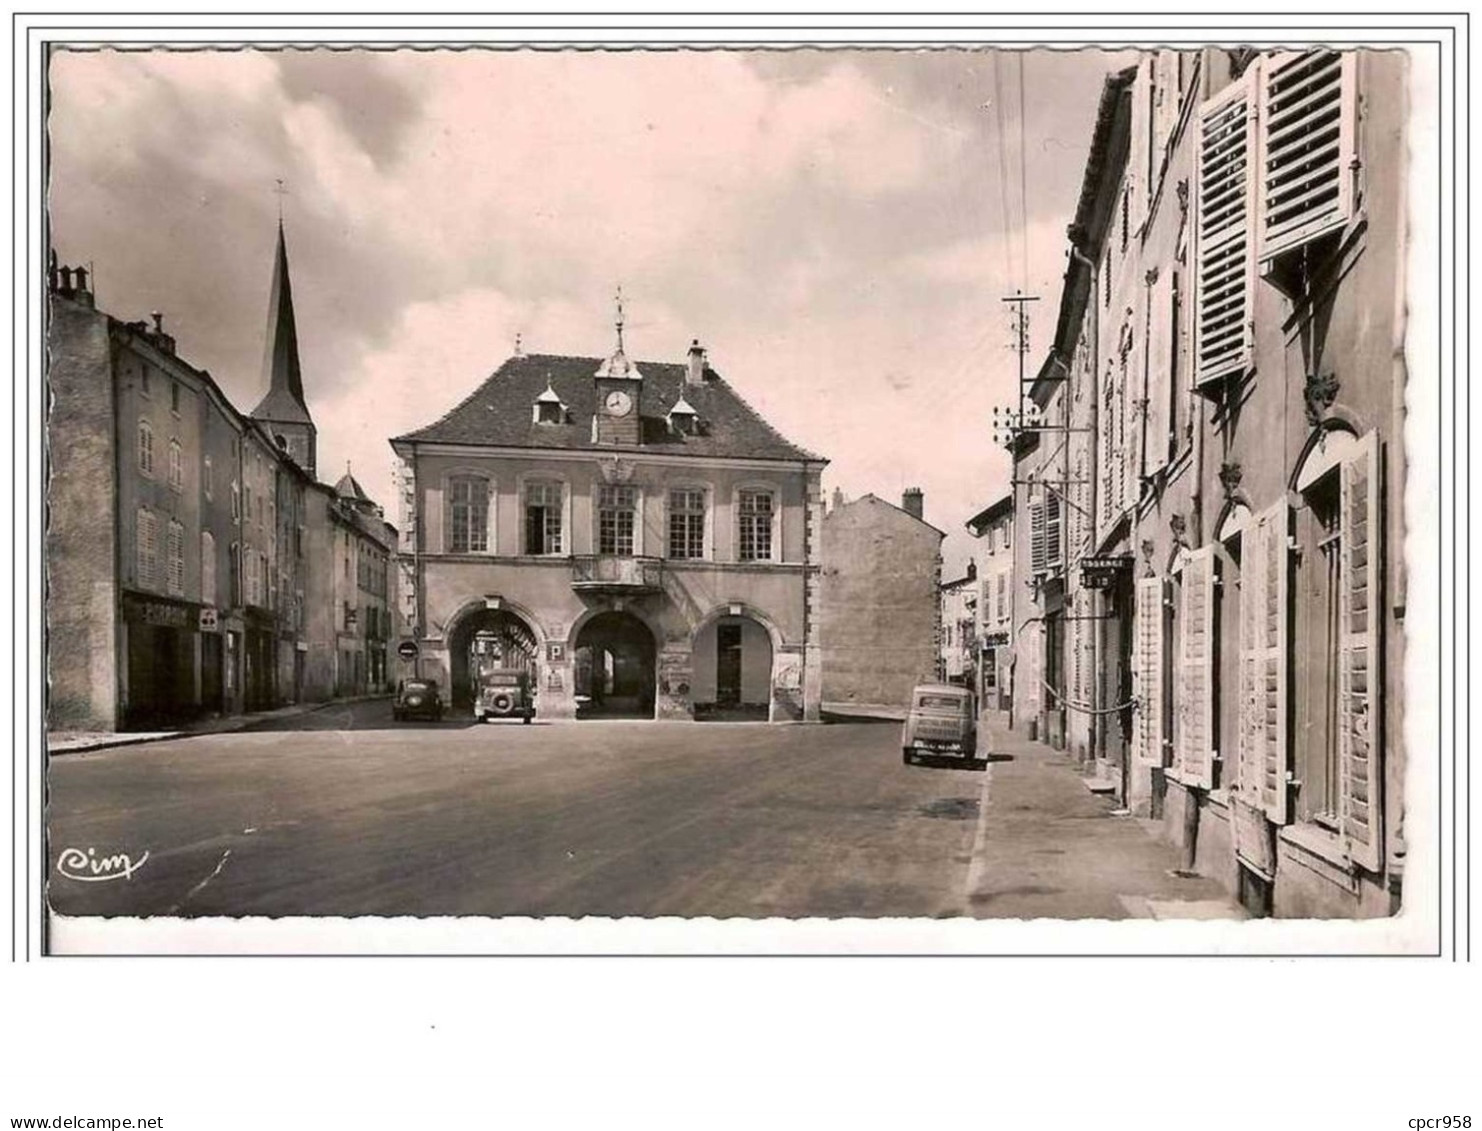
(417, 698)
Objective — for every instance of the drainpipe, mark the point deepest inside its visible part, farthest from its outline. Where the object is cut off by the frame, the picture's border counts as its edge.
(1098, 723)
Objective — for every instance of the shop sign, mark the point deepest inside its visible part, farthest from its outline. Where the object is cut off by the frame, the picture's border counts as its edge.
(209, 621)
(161, 613)
(1102, 572)
(995, 639)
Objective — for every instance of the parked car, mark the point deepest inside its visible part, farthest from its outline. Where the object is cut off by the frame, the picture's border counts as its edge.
(942, 722)
(417, 698)
(504, 693)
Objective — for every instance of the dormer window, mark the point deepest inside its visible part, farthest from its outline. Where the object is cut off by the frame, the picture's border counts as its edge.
(548, 407)
(683, 420)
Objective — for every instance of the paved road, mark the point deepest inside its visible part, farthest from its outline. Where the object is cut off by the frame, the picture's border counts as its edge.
(344, 812)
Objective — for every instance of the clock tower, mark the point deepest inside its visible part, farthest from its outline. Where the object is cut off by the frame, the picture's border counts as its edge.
(619, 389)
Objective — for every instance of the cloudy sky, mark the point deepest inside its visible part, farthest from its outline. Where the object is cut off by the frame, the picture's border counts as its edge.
(837, 227)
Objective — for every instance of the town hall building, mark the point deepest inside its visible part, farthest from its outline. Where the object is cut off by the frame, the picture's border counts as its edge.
(634, 534)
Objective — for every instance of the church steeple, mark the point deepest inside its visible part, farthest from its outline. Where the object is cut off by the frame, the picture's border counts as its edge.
(283, 408)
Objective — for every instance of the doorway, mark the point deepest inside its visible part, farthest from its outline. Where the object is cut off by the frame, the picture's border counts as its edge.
(615, 668)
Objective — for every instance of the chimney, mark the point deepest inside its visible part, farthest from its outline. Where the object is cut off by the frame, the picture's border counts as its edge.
(913, 503)
(695, 372)
(838, 498)
(161, 339)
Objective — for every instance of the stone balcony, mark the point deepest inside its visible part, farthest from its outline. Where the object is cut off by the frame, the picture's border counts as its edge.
(613, 574)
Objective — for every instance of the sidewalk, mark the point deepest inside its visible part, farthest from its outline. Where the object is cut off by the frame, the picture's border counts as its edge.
(78, 742)
(1051, 848)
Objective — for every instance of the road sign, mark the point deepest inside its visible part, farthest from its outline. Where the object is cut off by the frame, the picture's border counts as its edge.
(407, 649)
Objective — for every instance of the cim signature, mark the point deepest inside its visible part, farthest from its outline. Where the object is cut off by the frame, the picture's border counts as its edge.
(91, 868)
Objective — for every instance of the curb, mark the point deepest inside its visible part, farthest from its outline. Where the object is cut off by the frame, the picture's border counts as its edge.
(221, 726)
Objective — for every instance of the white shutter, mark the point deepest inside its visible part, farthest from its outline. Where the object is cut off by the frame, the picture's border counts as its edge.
(1038, 548)
(1054, 543)
(1360, 740)
(1160, 382)
(1264, 633)
(1134, 420)
(1224, 191)
(1147, 671)
(1140, 156)
(1198, 597)
(1307, 147)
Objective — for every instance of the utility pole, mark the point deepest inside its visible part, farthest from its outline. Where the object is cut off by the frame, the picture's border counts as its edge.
(1019, 301)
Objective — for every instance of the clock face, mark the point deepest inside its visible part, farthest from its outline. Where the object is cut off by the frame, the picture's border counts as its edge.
(618, 402)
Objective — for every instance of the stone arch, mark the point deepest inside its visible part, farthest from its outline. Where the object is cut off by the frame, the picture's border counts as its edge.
(1326, 447)
(737, 653)
(519, 626)
(615, 664)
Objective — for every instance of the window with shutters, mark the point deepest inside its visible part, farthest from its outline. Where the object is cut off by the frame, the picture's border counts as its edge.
(1308, 155)
(1336, 645)
(146, 549)
(1054, 543)
(1194, 686)
(1263, 776)
(1038, 542)
(1225, 186)
(177, 466)
(146, 450)
(1148, 670)
(1162, 327)
(175, 559)
(208, 568)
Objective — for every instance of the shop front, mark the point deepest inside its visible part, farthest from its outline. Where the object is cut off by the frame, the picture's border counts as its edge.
(162, 683)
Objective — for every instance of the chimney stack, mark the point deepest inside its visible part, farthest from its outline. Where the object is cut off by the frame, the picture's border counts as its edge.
(695, 372)
(838, 498)
(913, 503)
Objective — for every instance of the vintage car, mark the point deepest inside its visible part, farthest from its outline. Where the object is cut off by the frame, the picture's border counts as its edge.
(417, 698)
(504, 693)
(942, 722)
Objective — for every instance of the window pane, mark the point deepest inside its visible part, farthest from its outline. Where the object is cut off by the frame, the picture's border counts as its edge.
(755, 541)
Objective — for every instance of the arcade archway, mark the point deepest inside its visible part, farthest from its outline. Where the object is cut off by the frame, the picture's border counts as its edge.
(487, 638)
(732, 670)
(615, 668)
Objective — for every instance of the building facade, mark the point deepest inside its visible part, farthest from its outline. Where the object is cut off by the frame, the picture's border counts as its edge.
(882, 625)
(183, 538)
(994, 526)
(635, 534)
(1230, 350)
(958, 656)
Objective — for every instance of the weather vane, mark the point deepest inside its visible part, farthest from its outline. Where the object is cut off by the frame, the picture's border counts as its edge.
(281, 190)
(620, 318)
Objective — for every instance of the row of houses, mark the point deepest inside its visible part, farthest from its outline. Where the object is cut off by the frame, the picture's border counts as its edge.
(195, 565)
(1211, 601)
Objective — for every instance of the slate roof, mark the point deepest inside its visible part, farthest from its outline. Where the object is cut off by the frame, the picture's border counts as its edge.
(498, 413)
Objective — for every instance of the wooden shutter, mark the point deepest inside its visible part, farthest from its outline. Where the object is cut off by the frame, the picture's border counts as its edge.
(1160, 382)
(1198, 597)
(1264, 632)
(1054, 552)
(1359, 690)
(1139, 159)
(1307, 147)
(1038, 547)
(1147, 671)
(1225, 190)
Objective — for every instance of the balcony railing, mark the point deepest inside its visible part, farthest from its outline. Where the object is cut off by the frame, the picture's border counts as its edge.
(597, 573)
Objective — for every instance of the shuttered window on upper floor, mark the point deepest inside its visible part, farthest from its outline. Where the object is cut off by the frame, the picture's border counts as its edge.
(1308, 155)
(1277, 168)
(1225, 263)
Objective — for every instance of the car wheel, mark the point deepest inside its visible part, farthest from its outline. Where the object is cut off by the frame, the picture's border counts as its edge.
(908, 756)
(528, 717)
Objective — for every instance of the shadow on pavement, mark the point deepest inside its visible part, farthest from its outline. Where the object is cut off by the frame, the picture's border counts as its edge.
(944, 762)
